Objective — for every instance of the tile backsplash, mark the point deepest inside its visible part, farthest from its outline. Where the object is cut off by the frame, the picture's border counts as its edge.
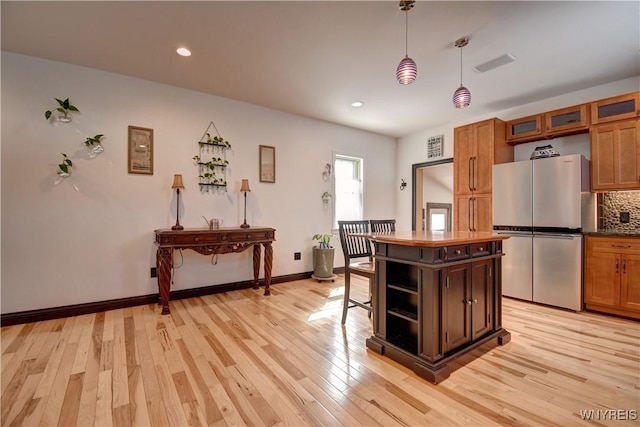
(611, 204)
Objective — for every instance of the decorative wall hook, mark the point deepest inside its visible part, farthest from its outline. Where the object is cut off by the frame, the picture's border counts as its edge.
(403, 184)
(326, 198)
(326, 174)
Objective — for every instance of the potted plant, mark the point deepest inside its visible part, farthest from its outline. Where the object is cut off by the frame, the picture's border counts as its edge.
(64, 167)
(63, 107)
(94, 144)
(323, 255)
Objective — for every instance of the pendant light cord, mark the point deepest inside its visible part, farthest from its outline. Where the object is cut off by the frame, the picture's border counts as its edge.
(406, 33)
(460, 66)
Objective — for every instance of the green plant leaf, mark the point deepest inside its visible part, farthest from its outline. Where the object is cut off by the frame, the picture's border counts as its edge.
(65, 104)
(73, 108)
(60, 101)
(63, 168)
(47, 114)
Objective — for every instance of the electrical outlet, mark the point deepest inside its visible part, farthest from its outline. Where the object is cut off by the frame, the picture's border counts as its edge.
(297, 256)
(624, 218)
(154, 272)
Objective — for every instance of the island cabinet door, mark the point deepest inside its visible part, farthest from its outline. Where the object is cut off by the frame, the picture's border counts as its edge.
(481, 301)
(456, 311)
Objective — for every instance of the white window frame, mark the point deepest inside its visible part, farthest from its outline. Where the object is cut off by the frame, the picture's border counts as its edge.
(360, 159)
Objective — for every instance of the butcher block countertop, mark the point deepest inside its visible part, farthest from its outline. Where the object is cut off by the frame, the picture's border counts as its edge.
(434, 239)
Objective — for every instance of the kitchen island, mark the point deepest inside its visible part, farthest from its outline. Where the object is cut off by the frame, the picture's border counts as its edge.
(437, 299)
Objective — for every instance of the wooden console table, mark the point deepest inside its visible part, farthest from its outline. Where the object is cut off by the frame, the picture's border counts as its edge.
(212, 242)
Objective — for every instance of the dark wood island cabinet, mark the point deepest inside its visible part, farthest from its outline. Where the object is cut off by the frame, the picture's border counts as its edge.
(437, 299)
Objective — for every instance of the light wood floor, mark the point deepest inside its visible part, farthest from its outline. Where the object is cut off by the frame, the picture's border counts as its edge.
(243, 359)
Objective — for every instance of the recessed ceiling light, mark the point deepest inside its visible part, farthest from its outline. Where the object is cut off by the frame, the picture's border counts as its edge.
(357, 104)
(183, 51)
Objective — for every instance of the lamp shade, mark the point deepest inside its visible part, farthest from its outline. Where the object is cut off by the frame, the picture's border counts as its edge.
(461, 97)
(245, 186)
(177, 182)
(407, 71)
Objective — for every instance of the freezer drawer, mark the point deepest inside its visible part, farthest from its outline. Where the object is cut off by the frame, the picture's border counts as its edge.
(517, 269)
(557, 270)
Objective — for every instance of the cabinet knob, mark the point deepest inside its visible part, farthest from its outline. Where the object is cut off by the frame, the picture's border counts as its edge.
(481, 249)
(457, 251)
(196, 239)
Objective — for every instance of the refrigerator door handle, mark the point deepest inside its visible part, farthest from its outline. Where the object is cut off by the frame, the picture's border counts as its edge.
(556, 236)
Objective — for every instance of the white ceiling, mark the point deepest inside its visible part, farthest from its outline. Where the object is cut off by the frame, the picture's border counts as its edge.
(314, 58)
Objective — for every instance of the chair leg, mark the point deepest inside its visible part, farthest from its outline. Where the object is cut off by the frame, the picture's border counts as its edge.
(347, 288)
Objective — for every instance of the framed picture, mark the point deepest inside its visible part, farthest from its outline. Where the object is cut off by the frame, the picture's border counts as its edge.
(267, 163)
(140, 157)
(435, 147)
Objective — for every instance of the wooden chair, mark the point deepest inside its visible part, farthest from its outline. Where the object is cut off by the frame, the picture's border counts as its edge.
(353, 248)
(382, 225)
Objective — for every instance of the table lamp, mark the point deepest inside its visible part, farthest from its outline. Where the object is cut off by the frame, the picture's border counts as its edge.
(177, 184)
(243, 189)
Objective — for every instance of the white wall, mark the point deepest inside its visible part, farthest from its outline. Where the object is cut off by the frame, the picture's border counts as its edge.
(90, 237)
(412, 148)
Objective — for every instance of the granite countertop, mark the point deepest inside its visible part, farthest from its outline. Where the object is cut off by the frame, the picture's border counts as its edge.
(614, 233)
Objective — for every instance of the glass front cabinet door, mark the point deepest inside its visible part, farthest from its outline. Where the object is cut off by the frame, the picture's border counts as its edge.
(524, 128)
(567, 119)
(616, 108)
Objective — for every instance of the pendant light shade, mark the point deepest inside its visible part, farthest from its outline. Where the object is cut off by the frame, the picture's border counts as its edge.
(407, 70)
(462, 96)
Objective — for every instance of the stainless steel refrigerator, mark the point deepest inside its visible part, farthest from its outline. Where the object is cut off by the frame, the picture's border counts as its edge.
(544, 205)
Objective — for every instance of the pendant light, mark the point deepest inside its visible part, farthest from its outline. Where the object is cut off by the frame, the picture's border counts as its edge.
(462, 96)
(407, 70)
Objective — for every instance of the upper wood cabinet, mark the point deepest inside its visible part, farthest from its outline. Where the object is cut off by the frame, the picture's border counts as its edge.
(524, 128)
(476, 148)
(615, 108)
(566, 120)
(615, 156)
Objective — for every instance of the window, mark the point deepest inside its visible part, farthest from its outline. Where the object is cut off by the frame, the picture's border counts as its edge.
(438, 216)
(348, 188)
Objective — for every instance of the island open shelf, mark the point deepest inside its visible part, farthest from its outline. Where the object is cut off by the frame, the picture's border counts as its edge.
(437, 299)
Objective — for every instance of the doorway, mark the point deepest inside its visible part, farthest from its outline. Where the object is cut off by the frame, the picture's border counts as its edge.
(432, 195)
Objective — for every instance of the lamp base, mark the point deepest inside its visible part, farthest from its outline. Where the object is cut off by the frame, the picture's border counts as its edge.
(177, 227)
(245, 225)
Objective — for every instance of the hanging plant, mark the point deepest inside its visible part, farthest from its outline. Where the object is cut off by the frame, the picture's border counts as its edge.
(217, 140)
(63, 107)
(94, 144)
(64, 168)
